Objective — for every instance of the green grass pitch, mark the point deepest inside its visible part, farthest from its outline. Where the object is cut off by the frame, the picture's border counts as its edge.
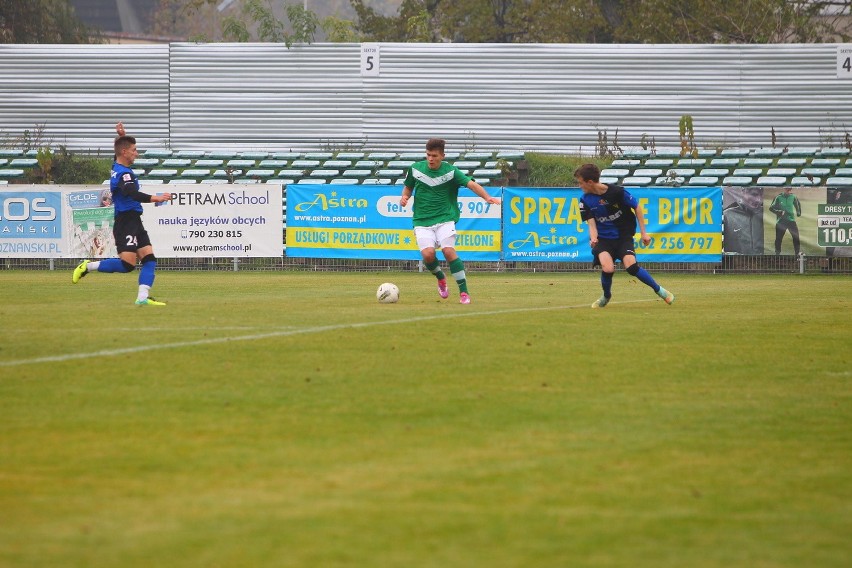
(288, 419)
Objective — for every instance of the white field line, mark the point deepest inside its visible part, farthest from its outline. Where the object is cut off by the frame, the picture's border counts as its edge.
(282, 333)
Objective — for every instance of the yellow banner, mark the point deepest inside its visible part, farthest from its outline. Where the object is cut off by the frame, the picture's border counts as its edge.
(681, 243)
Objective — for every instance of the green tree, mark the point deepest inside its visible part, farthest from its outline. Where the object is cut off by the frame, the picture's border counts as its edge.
(605, 21)
(43, 21)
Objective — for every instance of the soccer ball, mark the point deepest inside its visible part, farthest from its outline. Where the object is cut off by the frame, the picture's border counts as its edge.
(387, 293)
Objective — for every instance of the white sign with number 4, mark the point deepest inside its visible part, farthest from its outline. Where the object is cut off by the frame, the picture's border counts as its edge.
(844, 61)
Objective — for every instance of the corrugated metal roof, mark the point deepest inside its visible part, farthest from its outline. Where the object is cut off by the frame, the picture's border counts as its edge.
(538, 97)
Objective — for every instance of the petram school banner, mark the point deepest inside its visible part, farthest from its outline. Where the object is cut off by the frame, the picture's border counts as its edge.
(367, 221)
(201, 221)
(544, 225)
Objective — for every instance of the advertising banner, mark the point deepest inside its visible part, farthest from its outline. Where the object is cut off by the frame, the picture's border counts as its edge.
(813, 221)
(217, 221)
(367, 221)
(31, 224)
(544, 225)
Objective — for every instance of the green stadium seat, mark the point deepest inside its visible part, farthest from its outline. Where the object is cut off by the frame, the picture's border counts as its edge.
(773, 181)
(707, 153)
(658, 163)
(791, 162)
(285, 155)
(389, 173)
(344, 181)
(191, 154)
(153, 153)
(369, 164)
(282, 181)
(227, 172)
(3, 162)
(647, 172)
(254, 155)
(735, 153)
(208, 163)
(450, 156)
(805, 180)
(305, 181)
(625, 163)
(679, 172)
(376, 181)
(670, 152)
(23, 163)
(400, 164)
(305, 163)
(382, 156)
(839, 181)
(217, 181)
(478, 155)
(714, 172)
(704, 181)
(337, 164)
(640, 153)
(11, 173)
(246, 181)
(608, 180)
(260, 173)
(176, 163)
(843, 172)
(815, 172)
(725, 162)
(802, 152)
(11, 153)
(148, 181)
(749, 172)
(510, 155)
(182, 181)
(162, 173)
(757, 162)
(273, 163)
(324, 174)
(195, 173)
(825, 162)
(460, 164)
(291, 173)
(146, 162)
(738, 180)
(637, 181)
(615, 172)
(350, 156)
(691, 162)
(834, 152)
(487, 173)
(241, 163)
(413, 156)
(222, 155)
(767, 152)
(358, 174)
(318, 155)
(784, 172)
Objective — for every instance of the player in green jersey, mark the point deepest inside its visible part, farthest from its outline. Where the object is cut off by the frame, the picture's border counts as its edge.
(786, 207)
(435, 186)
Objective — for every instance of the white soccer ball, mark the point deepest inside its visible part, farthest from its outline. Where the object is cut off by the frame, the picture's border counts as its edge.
(387, 293)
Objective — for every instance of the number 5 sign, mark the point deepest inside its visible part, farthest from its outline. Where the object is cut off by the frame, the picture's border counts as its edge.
(370, 60)
(844, 61)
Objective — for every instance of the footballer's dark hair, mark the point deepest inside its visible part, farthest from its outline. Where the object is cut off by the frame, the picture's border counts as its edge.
(123, 142)
(588, 172)
(435, 144)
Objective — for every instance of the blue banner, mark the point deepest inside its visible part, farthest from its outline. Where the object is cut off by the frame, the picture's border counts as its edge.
(366, 221)
(544, 225)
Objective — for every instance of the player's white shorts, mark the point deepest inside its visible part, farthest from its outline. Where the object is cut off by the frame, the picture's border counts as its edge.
(443, 234)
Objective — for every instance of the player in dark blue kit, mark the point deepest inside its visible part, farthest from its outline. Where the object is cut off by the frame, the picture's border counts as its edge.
(612, 214)
(131, 238)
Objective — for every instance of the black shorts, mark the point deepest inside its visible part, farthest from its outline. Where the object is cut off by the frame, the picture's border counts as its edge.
(617, 249)
(129, 233)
